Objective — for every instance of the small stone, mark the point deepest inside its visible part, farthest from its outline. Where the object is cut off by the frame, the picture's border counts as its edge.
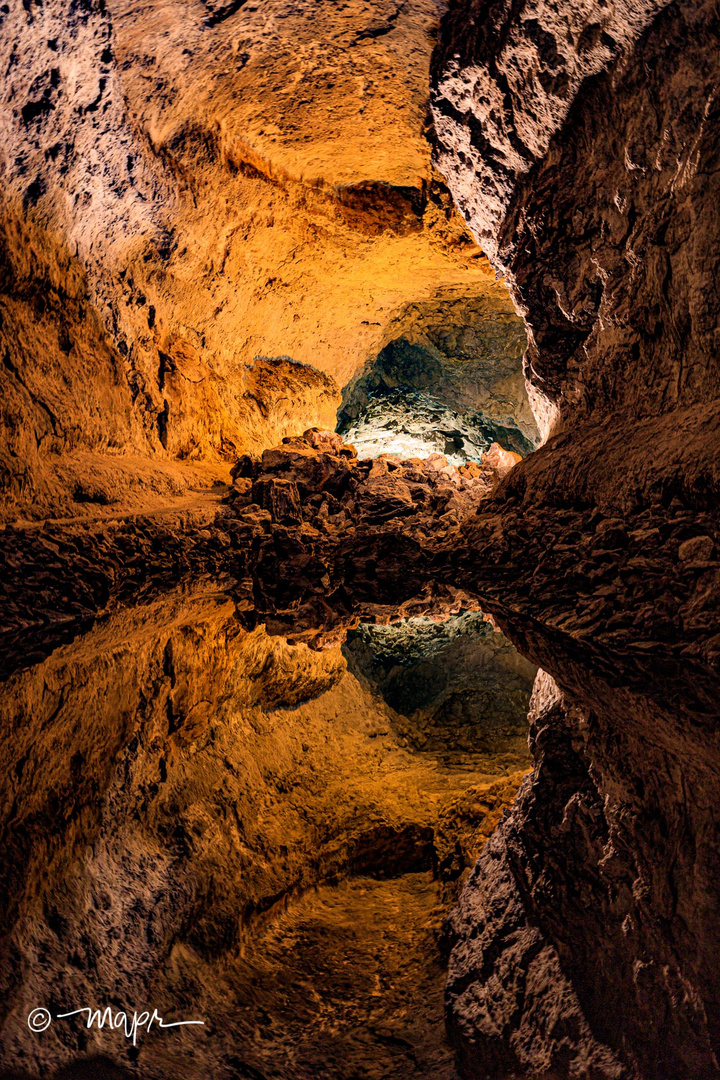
(244, 467)
(241, 491)
(328, 441)
(697, 549)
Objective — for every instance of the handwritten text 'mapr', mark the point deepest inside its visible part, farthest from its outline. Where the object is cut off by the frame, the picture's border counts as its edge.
(129, 1023)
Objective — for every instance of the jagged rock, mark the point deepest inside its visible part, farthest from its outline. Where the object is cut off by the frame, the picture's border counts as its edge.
(699, 548)
(500, 460)
(172, 300)
(460, 351)
(459, 684)
(406, 423)
(210, 789)
(579, 142)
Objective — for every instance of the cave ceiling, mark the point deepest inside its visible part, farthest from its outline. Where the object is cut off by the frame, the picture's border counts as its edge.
(205, 202)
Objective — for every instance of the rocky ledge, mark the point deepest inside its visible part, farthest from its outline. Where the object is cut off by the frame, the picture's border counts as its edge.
(299, 538)
(325, 534)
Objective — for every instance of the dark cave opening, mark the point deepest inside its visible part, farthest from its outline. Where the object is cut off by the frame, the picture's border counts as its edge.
(457, 686)
(452, 384)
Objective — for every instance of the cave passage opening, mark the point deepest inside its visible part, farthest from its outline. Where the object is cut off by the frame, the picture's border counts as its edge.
(449, 380)
(362, 781)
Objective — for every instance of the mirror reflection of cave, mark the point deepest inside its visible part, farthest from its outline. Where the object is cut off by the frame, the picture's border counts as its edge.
(444, 392)
(359, 540)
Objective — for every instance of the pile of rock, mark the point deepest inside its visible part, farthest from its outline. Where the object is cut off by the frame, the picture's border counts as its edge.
(324, 536)
(317, 479)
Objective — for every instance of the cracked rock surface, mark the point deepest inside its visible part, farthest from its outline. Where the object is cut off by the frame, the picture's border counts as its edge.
(215, 218)
(580, 142)
(226, 826)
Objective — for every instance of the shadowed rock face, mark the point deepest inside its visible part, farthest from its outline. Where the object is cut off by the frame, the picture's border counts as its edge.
(458, 682)
(464, 352)
(578, 930)
(209, 225)
(225, 826)
(580, 143)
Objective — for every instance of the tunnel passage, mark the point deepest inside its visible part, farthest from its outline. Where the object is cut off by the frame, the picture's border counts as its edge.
(243, 830)
(449, 381)
(159, 244)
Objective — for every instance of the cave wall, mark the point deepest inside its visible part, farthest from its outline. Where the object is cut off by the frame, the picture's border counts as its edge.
(215, 216)
(584, 940)
(180, 794)
(580, 146)
(465, 351)
(580, 143)
(152, 270)
(456, 684)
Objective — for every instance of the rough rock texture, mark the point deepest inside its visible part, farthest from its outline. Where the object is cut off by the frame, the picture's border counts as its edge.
(457, 683)
(286, 540)
(579, 909)
(464, 351)
(626, 617)
(312, 540)
(410, 423)
(580, 142)
(330, 538)
(196, 203)
(176, 790)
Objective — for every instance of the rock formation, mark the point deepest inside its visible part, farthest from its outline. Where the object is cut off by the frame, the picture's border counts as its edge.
(580, 145)
(309, 540)
(458, 681)
(464, 353)
(205, 235)
(178, 791)
(221, 222)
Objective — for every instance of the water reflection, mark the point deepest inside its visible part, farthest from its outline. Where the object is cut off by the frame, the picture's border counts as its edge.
(205, 820)
(457, 684)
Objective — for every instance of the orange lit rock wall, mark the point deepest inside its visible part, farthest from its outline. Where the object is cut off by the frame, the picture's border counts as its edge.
(196, 203)
(174, 785)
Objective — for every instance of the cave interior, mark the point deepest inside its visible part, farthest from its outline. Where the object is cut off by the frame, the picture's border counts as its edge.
(360, 560)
